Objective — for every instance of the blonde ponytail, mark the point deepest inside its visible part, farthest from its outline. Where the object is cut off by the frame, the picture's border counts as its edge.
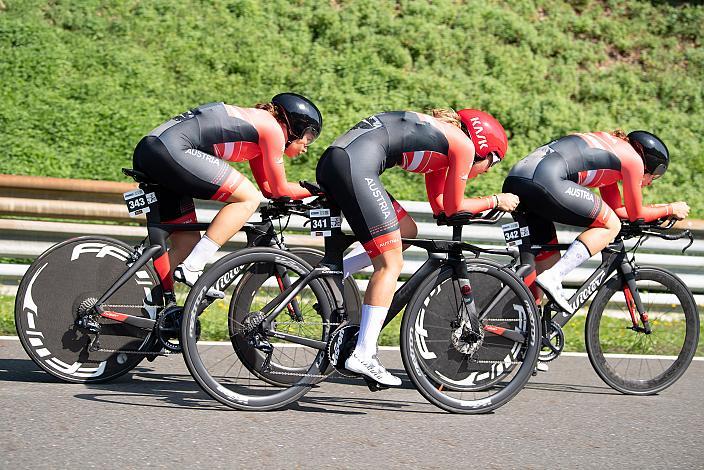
(447, 115)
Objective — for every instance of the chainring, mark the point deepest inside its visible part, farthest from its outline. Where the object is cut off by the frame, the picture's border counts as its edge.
(556, 337)
(169, 328)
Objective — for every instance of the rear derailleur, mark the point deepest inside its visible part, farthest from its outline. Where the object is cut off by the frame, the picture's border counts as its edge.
(253, 332)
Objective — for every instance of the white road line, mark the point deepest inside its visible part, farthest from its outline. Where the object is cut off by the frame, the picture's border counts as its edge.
(396, 348)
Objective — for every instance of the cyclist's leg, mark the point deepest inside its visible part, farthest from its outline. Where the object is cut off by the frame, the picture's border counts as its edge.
(358, 259)
(242, 203)
(581, 207)
(542, 232)
(575, 205)
(534, 205)
(357, 190)
(178, 209)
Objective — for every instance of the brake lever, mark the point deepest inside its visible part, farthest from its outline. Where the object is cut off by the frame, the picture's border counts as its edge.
(691, 240)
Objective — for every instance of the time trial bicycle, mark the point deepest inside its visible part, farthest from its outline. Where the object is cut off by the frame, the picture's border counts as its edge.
(91, 308)
(470, 334)
(642, 327)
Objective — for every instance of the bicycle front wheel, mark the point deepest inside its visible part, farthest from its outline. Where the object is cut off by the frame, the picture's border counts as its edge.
(63, 283)
(634, 362)
(295, 353)
(500, 368)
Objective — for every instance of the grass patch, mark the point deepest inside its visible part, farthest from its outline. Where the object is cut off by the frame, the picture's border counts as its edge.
(7, 315)
(76, 76)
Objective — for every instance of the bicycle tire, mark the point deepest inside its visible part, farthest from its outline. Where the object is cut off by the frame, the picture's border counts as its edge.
(53, 287)
(245, 294)
(237, 387)
(473, 390)
(607, 364)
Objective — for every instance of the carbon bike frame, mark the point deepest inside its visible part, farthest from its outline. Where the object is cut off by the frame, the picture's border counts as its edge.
(258, 234)
(614, 259)
(440, 253)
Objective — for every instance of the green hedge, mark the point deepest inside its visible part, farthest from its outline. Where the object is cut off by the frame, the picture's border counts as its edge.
(81, 81)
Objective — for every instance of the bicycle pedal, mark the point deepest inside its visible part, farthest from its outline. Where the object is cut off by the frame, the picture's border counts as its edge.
(374, 386)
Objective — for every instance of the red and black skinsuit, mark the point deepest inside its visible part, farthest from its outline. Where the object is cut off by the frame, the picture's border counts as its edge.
(349, 171)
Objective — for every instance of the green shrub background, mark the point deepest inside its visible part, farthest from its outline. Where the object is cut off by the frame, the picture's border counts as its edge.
(81, 81)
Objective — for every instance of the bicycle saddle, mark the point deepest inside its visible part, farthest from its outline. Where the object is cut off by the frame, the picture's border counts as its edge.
(138, 176)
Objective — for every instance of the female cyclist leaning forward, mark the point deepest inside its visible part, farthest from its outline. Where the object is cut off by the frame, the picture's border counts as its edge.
(551, 181)
(188, 156)
(449, 148)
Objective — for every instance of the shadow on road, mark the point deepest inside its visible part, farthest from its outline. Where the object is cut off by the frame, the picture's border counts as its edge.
(24, 370)
(569, 388)
(145, 388)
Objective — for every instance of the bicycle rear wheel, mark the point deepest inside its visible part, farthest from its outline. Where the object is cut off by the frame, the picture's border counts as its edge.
(634, 362)
(300, 357)
(257, 289)
(489, 378)
(68, 278)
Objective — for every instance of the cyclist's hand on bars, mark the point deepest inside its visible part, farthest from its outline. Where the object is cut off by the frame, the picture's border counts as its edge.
(680, 210)
(507, 201)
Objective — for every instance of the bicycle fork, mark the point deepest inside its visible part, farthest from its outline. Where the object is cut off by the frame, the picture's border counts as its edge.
(467, 335)
(633, 300)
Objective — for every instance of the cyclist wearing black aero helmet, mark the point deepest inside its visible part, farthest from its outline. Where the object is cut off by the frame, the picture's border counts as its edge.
(551, 183)
(188, 156)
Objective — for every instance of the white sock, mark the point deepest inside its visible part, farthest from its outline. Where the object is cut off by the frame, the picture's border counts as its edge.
(575, 255)
(201, 254)
(355, 261)
(370, 326)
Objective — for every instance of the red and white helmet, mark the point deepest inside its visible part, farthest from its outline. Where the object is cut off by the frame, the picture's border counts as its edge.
(488, 135)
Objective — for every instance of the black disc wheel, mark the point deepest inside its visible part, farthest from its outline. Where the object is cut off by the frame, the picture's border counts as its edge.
(62, 285)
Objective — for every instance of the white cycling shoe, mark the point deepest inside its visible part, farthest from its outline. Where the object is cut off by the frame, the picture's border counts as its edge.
(186, 276)
(542, 366)
(372, 368)
(553, 287)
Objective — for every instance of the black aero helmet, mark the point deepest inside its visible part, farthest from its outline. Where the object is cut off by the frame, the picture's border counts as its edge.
(655, 155)
(301, 115)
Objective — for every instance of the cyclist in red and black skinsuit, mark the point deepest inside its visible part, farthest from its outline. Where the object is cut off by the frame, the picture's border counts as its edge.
(551, 184)
(449, 149)
(188, 156)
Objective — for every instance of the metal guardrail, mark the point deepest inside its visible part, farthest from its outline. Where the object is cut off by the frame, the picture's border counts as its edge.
(95, 202)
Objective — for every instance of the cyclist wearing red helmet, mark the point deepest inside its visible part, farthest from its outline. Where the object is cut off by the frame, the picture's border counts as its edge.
(188, 156)
(449, 148)
(551, 183)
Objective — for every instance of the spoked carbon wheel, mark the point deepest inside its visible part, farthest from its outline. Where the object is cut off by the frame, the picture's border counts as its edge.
(63, 283)
(256, 289)
(294, 346)
(635, 362)
(499, 369)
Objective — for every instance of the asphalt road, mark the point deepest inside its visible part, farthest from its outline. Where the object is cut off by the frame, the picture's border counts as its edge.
(157, 416)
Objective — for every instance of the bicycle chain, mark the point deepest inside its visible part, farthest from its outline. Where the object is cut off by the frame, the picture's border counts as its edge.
(143, 353)
(318, 376)
(130, 306)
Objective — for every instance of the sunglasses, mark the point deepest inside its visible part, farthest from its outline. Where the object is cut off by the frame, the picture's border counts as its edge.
(494, 159)
(659, 171)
